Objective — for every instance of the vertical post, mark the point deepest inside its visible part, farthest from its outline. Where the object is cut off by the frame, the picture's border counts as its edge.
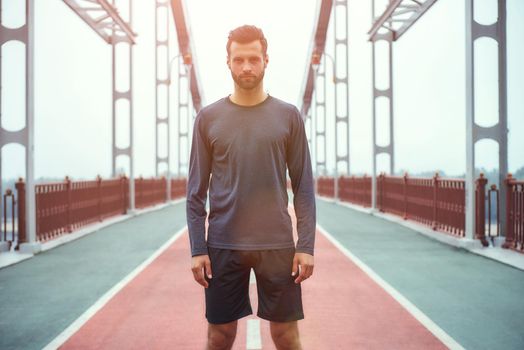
(138, 192)
(99, 195)
(162, 8)
(4, 211)
(502, 137)
(436, 181)
(24, 136)
(386, 92)
(125, 193)
(125, 95)
(470, 142)
(22, 228)
(341, 85)
(321, 74)
(510, 214)
(114, 149)
(30, 182)
(379, 190)
(69, 204)
(406, 215)
(131, 138)
(391, 146)
(183, 135)
(475, 132)
(165, 189)
(374, 179)
(481, 209)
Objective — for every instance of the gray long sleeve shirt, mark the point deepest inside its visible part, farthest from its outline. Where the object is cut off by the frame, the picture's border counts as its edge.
(245, 152)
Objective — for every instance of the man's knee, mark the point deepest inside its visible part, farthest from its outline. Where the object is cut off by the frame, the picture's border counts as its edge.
(221, 336)
(285, 335)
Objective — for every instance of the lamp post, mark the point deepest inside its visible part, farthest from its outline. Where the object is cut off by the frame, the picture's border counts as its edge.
(187, 60)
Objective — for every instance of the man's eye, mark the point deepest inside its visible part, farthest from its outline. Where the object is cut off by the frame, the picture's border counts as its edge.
(254, 60)
(237, 60)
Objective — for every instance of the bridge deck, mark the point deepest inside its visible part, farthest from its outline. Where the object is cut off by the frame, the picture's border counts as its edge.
(379, 286)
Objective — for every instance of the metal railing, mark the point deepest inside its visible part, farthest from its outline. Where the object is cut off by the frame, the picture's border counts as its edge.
(62, 207)
(178, 187)
(355, 189)
(515, 214)
(436, 202)
(149, 192)
(326, 186)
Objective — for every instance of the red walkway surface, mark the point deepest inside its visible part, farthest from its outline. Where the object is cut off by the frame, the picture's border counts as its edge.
(163, 308)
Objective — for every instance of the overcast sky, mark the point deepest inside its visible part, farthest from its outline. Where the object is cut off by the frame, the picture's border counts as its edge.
(73, 83)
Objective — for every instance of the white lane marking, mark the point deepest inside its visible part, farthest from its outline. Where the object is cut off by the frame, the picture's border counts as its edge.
(253, 341)
(104, 299)
(438, 332)
(252, 277)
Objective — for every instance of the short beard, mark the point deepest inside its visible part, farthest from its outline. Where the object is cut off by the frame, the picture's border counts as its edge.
(248, 85)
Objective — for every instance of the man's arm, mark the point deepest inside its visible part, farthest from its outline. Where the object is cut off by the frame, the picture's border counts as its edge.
(197, 186)
(299, 166)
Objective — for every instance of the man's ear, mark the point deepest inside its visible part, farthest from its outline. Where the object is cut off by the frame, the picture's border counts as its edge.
(227, 62)
(266, 60)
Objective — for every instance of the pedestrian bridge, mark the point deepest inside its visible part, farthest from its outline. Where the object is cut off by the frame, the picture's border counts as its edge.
(376, 285)
(402, 261)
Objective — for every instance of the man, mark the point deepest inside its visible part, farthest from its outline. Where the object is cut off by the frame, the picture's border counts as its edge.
(244, 143)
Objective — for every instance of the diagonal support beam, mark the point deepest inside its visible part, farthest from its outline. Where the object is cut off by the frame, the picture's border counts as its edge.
(185, 46)
(316, 48)
(103, 24)
(406, 12)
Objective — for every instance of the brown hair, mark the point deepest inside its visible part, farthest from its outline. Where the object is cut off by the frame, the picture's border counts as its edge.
(246, 34)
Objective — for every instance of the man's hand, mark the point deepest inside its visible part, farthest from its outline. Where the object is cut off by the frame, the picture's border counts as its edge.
(306, 266)
(201, 264)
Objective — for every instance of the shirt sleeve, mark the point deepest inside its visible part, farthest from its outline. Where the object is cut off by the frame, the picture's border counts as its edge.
(299, 167)
(197, 186)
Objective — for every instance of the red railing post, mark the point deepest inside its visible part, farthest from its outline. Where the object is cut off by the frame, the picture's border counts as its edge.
(352, 189)
(510, 214)
(380, 191)
(405, 192)
(480, 211)
(69, 202)
(20, 192)
(368, 190)
(377, 192)
(435, 200)
(99, 193)
(139, 189)
(125, 193)
(164, 188)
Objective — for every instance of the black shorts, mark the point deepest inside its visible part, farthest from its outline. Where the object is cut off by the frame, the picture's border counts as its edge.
(227, 297)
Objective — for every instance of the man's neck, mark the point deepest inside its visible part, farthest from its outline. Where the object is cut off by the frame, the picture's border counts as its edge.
(250, 97)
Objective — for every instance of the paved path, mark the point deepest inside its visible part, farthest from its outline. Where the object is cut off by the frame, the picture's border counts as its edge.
(475, 300)
(43, 295)
(163, 308)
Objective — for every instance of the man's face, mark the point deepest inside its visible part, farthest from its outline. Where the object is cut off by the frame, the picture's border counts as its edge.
(247, 64)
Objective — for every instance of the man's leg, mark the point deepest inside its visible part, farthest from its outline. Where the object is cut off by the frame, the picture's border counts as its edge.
(285, 335)
(221, 336)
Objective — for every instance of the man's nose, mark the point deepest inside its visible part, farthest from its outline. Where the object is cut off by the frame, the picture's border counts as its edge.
(246, 67)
